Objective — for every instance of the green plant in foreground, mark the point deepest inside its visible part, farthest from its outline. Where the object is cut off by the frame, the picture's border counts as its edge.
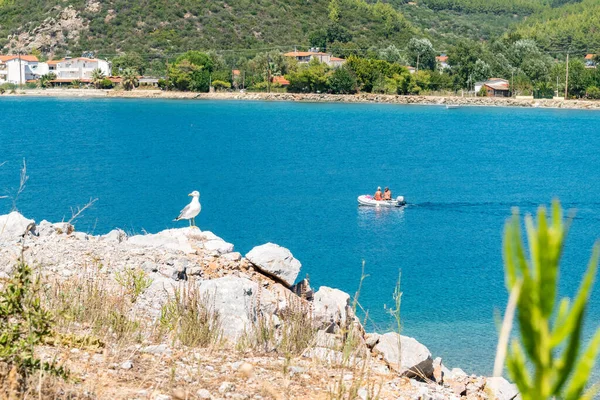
(24, 324)
(134, 281)
(550, 338)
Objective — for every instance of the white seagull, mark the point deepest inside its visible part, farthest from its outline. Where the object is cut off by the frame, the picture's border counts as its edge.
(191, 210)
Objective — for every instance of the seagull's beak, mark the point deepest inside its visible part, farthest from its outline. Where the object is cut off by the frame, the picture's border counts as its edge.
(190, 195)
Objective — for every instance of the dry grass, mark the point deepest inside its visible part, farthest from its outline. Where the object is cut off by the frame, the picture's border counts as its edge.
(191, 319)
(289, 334)
(92, 303)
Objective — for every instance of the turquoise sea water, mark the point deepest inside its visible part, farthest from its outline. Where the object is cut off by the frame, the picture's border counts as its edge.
(290, 173)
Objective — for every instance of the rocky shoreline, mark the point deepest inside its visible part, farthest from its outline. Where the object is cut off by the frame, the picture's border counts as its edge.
(259, 287)
(317, 98)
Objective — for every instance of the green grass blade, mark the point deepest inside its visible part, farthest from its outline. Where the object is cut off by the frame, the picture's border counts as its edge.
(584, 367)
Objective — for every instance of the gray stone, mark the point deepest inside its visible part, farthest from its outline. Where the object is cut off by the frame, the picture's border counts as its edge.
(63, 228)
(80, 235)
(156, 349)
(415, 360)
(232, 256)
(116, 235)
(44, 229)
(276, 261)
(328, 340)
(169, 239)
(498, 388)
(226, 387)
(149, 266)
(218, 246)
(203, 394)
(456, 373)
(331, 306)
(15, 225)
(162, 397)
(127, 365)
(371, 339)
(235, 301)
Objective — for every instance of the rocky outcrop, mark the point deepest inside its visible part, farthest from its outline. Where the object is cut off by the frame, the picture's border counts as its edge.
(499, 388)
(240, 292)
(14, 226)
(331, 308)
(412, 359)
(276, 261)
(236, 302)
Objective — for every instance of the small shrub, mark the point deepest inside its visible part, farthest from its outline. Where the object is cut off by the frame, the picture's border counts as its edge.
(221, 85)
(31, 85)
(550, 336)
(593, 92)
(24, 324)
(134, 281)
(191, 318)
(106, 84)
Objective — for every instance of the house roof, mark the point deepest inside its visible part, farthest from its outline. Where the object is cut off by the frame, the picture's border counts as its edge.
(54, 62)
(497, 85)
(497, 80)
(590, 56)
(305, 53)
(336, 59)
(235, 71)
(24, 57)
(442, 58)
(281, 80)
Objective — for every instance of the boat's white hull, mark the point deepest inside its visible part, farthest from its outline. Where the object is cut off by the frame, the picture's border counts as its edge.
(367, 200)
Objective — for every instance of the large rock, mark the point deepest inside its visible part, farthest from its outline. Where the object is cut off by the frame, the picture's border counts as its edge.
(415, 360)
(276, 261)
(331, 306)
(238, 301)
(170, 239)
(14, 225)
(498, 388)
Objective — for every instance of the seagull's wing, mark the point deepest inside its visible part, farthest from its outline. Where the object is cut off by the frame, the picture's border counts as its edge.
(183, 212)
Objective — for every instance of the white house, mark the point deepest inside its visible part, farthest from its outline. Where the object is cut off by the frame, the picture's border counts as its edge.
(78, 68)
(18, 69)
(304, 57)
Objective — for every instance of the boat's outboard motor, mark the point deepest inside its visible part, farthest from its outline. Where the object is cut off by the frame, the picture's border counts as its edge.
(400, 200)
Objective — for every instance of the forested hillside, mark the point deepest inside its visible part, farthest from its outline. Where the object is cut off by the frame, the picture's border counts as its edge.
(573, 27)
(163, 26)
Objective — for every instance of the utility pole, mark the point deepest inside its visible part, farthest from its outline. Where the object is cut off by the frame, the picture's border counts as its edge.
(512, 82)
(556, 85)
(567, 79)
(244, 79)
(168, 83)
(418, 55)
(268, 73)
(20, 70)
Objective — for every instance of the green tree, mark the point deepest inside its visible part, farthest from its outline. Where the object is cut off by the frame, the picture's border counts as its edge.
(45, 79)
(462, 58)
(392, 54)
(334, 11)
(342, 81)
(198, 59)
(130, 60)
(422, 53)
(311, 78)
(97, 78)
(129, 79)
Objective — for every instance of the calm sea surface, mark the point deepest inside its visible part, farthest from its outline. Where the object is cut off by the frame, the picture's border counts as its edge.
(290, 173)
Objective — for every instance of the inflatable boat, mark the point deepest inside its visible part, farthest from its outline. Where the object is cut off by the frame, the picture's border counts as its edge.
(368, 200)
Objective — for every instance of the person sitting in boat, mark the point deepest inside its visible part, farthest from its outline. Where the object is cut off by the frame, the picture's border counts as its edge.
(387, 194)
(378, 194)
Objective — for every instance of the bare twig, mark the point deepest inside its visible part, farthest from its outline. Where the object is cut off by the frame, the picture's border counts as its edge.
(506, 328)
(22, 184)
(77, 213)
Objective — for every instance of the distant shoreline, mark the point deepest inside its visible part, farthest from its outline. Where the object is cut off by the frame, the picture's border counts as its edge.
(314, 98)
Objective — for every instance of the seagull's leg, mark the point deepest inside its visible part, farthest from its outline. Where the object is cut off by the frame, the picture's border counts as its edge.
(190, 221)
